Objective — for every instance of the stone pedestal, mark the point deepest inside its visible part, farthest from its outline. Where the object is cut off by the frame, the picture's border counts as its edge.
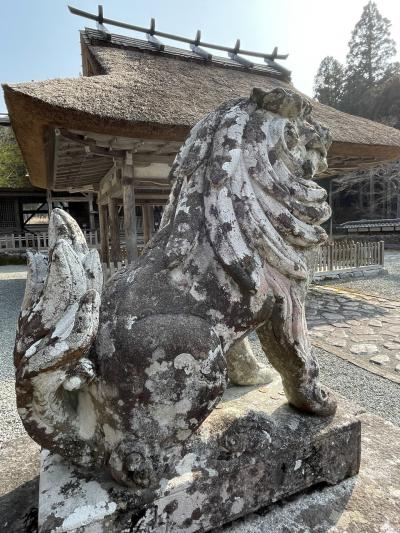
(253, 450)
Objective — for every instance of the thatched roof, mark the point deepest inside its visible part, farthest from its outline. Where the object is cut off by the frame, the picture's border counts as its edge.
(142, 93)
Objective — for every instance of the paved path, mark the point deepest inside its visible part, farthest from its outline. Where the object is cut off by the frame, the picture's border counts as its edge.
(12, 286)
(361, 328)
(385, 286)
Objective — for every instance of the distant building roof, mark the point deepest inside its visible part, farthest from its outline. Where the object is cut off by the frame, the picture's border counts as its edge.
(4, 119)
(132, 89)
(93, 37)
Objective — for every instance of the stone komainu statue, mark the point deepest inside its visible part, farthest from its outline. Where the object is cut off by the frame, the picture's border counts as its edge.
(121, 381)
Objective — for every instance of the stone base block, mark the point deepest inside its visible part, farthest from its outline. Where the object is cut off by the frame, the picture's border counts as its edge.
(253, 450)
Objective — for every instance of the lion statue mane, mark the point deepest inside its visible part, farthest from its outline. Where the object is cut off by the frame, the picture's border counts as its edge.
(124, 385)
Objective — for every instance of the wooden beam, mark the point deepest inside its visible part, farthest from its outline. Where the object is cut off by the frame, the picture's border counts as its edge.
(152, 31)
(93, 148)
(49, 202)
(103, 220)
(141, 198)
(148, 222)
(114, 231)
(92, 224)
(128, 194)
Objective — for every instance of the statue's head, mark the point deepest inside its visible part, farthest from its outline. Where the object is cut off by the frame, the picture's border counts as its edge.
(292, 127)
(245, 174)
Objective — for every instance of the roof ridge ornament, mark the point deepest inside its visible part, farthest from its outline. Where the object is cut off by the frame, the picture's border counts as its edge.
(100, 25)
(196, 48)
(235, 56)
(195, 44)
(152, 38)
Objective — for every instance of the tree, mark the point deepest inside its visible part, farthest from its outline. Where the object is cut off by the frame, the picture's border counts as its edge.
(12, 168)
(386, 108)
(370, 51)
(370, 47)
(328, 83)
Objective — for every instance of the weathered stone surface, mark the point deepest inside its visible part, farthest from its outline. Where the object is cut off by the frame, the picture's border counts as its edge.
(380, 359)
(250, 452)
(346, 274)
(337, 342)
(364, 348)
(124, 386)
(369, 334)
(367, 503)
(391, 345)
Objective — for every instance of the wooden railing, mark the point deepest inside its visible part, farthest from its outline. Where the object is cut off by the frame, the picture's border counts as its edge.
(38, 241)
(331, 257)
(340, 255)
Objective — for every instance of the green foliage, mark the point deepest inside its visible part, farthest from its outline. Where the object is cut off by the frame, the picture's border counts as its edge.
(370, 47)
(369, 85)
(328, 84)
(386, 107)
(12, 168)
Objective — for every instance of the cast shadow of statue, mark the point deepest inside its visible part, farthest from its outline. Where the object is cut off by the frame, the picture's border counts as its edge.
(318, 510)
(19, 508)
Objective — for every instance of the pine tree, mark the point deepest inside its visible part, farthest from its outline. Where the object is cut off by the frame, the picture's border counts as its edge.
(328, 83)
(370, 50)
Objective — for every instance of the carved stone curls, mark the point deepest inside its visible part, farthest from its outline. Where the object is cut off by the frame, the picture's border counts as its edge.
(124, 384)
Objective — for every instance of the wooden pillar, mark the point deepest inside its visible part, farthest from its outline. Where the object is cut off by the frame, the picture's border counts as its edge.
(114, 231)
(92, 225)
(360, 199)
(128, 190)
(398, 202)
(388, 199)
(103, 220)
(49, 201)
(371, 197)
(18, 225)
(148, 222)
(330, 199)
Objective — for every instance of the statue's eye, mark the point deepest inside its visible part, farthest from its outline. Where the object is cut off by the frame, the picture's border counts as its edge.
(291, 135)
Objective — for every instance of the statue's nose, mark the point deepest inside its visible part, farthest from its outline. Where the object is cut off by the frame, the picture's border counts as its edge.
(314, 142)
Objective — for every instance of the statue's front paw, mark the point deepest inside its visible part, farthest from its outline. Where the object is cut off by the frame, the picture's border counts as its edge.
(81, 374)
(326, 403)
(313, 399)
(130, 467)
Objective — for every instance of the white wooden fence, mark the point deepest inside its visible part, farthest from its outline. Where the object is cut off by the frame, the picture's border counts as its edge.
(38, 241)
(340, 255)
(331, 257)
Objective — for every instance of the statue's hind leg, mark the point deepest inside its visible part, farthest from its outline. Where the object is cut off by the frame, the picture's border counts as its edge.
(285, 342)
(178, 375)
(243, 366)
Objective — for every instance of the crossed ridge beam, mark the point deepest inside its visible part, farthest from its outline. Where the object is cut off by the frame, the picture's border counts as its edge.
(195, 44)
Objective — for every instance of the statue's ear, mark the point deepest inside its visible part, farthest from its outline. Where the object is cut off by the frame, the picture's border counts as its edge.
(281, 101)
(257, 96)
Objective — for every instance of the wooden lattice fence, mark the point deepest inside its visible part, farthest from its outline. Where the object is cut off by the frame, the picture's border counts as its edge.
(38, 241)
(331, 257)
(340, 255)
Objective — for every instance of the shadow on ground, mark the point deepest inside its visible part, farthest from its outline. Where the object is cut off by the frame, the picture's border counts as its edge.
(19, 508)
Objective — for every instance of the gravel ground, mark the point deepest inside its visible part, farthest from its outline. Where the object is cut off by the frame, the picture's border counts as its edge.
(12, 286)
(386, 286)
(369, 391)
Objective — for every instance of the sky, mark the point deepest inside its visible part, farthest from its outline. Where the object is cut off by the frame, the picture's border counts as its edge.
(41, 40)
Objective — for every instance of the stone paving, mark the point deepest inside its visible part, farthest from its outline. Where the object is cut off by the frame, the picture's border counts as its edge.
(364, 329)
